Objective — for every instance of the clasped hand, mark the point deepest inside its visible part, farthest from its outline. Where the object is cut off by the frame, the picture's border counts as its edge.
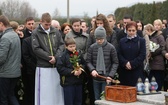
(52, 61)
(77, 72)
(128, 66)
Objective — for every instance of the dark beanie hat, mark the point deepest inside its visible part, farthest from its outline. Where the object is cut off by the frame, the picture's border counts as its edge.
(100, 32)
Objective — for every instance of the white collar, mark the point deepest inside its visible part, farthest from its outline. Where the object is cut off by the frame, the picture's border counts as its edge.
(47, 31)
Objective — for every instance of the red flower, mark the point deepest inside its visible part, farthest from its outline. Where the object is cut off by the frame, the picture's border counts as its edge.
(74, 59)
(76, 53)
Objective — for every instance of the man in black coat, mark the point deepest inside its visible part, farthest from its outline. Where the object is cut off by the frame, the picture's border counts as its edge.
(28, 63)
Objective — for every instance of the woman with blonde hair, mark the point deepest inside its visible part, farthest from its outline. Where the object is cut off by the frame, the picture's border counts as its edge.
(156, 60)
(157, 25)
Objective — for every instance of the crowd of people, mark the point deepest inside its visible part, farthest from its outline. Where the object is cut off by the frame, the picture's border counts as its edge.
(62, 64)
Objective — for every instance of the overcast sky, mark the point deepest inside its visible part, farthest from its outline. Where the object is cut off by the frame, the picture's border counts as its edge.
(79, 7)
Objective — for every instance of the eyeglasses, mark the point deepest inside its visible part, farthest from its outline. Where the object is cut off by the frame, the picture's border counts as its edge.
(131, 30)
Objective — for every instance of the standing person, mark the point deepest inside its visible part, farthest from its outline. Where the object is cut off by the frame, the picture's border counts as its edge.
(92, 24)
(146, 37)
(122, 33)
(81, 44)
(132, 52)
(111, 37)
(47, 44)
(15, 27)
(80, 38)
(30, 63)
(165, 52)
(56, 24)
(101, 59)
(65, 28)
(84, 27)
(140, 25)
(71, 81)
(29, 22)
(10, 54)
(27, 73)
(112, 21)
(156, 60)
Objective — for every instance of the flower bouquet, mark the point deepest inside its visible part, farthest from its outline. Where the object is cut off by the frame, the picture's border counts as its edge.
(74, 59)
(153, 46)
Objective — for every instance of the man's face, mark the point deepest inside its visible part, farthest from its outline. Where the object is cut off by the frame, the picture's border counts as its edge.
(29, 25)
(46, 25)
(125, 21)
(84, 27)
(111, 22)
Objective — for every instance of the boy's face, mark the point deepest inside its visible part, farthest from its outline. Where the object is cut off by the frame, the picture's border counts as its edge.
(71, 47)
(100, 40)
(46, 25)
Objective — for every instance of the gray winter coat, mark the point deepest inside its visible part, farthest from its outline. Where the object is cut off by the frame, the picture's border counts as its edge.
(10, 54)
(110, 58)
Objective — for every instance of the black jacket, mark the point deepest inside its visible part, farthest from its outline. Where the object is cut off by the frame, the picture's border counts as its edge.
(65, 67)
(28, 56)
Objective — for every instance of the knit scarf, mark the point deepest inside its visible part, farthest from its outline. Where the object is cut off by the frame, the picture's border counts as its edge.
(100, 65)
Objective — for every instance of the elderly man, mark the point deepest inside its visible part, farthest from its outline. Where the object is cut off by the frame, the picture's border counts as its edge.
(55, 24)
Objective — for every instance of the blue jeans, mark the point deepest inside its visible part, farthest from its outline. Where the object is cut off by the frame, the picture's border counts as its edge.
(7, 86)
(98, 87)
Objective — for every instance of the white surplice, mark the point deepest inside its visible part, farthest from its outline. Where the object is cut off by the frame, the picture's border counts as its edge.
(48, 90)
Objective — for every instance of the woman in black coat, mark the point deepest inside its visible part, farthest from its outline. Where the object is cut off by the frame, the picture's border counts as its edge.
(132, 52)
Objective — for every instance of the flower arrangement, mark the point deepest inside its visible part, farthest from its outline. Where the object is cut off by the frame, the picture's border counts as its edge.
(153, 46)
(74, 59)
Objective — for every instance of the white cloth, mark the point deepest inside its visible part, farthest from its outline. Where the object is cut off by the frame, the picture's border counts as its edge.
(48, 90)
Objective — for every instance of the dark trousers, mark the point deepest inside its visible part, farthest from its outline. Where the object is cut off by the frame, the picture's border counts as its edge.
(88, 92)
(7, 86)
(30, 89)
(73, 95)
(159, 76)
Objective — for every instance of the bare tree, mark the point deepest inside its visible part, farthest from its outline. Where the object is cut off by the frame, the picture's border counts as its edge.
(17, 9)
(10, 8)
(27, 11)
(56, 13)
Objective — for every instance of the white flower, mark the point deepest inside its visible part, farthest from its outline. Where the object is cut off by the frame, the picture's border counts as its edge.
(153, 46)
